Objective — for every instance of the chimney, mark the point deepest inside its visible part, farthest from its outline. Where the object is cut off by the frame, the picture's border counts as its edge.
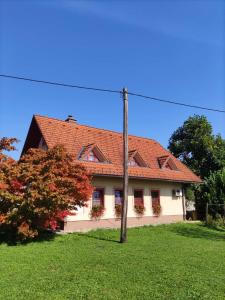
(71, 119)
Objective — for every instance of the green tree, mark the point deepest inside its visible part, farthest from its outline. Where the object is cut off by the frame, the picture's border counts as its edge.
(196, 146)
(204, 153)
(212, 192)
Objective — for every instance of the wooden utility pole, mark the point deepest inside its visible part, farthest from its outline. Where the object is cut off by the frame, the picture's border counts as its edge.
(123, 232)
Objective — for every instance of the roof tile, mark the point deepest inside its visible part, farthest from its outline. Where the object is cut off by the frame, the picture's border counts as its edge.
(75, 136)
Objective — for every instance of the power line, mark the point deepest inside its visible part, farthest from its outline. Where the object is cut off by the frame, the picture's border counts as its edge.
(176, 103)
(60, 84)
(111, 91)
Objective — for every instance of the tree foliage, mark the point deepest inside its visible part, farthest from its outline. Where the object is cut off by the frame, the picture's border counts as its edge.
(204, 153)
(196, 146)
(39, 190)
(6, 144)
(212, 192)
(214, 187)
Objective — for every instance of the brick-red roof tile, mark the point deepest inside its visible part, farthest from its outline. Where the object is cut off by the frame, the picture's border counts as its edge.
(75, 136)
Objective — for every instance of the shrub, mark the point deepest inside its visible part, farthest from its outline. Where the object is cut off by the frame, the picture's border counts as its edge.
(212, 191)
(217, 222)
(97, 212)
(139, 209)
(40, 190)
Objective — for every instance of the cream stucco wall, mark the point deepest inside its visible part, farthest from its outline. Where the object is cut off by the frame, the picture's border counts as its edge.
(169, 205)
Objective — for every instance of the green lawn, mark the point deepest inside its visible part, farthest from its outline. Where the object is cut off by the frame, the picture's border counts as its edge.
(178, 261)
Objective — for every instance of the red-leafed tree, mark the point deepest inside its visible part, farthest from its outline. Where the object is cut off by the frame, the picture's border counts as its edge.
(39, 190)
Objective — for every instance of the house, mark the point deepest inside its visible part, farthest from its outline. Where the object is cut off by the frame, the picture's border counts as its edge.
(156, 177)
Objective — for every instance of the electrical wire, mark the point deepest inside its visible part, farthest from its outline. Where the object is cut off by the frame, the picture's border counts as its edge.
(112, 91)
(59, 84)
(176, 103)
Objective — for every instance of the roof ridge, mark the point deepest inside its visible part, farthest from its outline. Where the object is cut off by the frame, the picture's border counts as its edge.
(47, 117)
(103, 129)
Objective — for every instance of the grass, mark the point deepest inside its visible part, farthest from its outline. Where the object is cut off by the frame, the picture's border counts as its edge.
(177, 261)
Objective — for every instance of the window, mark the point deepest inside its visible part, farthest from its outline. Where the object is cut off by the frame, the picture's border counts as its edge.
(167, 166)
(118, 197)
(155, 194)
(138, 197)
(98, 197)
(132, 162)
(90, 156)
(92, 153)
(135, 159)
(166, 162)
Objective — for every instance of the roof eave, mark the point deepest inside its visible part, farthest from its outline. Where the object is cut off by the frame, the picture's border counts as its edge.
(147, 178)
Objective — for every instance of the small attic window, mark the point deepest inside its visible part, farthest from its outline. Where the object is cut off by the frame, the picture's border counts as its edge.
(93, 154)
(135, 159)
(166, 162)
(90, 156)
(132, 162)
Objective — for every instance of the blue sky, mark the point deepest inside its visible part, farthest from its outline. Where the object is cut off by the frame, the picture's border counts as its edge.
(166, 49)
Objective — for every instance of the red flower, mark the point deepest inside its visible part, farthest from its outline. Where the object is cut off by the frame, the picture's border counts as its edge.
(156, 208)
(97, 212)
(139, 209)
(118, 210)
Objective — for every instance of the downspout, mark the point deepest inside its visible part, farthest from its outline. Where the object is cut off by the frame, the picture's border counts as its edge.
(183, 203)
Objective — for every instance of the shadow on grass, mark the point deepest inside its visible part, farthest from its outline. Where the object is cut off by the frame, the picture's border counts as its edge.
(200, 231)
(11, 240)
(98, 237)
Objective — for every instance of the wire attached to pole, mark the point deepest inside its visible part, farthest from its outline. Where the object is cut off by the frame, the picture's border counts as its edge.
(112, 91)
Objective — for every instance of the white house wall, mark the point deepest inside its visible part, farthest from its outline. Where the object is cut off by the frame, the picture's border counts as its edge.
(169, 205)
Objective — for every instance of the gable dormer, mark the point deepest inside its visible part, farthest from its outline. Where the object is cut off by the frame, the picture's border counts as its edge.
(92, 153)
(166, 162)
(135, 159)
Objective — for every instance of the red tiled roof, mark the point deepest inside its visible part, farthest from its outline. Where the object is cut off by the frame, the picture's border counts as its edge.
(75, 136)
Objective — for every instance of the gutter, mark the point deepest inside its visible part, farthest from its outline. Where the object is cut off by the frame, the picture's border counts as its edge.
(146, 178)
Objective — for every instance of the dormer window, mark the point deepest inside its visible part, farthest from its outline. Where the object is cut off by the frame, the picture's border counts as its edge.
(90, 156)
(132, 162)
(166, 162)
(92, 153)
(135, 160)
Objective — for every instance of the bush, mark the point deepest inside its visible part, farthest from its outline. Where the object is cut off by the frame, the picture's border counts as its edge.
(40, 190)
(212, 192)
(217, 222)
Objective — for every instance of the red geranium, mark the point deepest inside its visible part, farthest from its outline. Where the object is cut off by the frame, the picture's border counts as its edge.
(97, 212)
(139, 208)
